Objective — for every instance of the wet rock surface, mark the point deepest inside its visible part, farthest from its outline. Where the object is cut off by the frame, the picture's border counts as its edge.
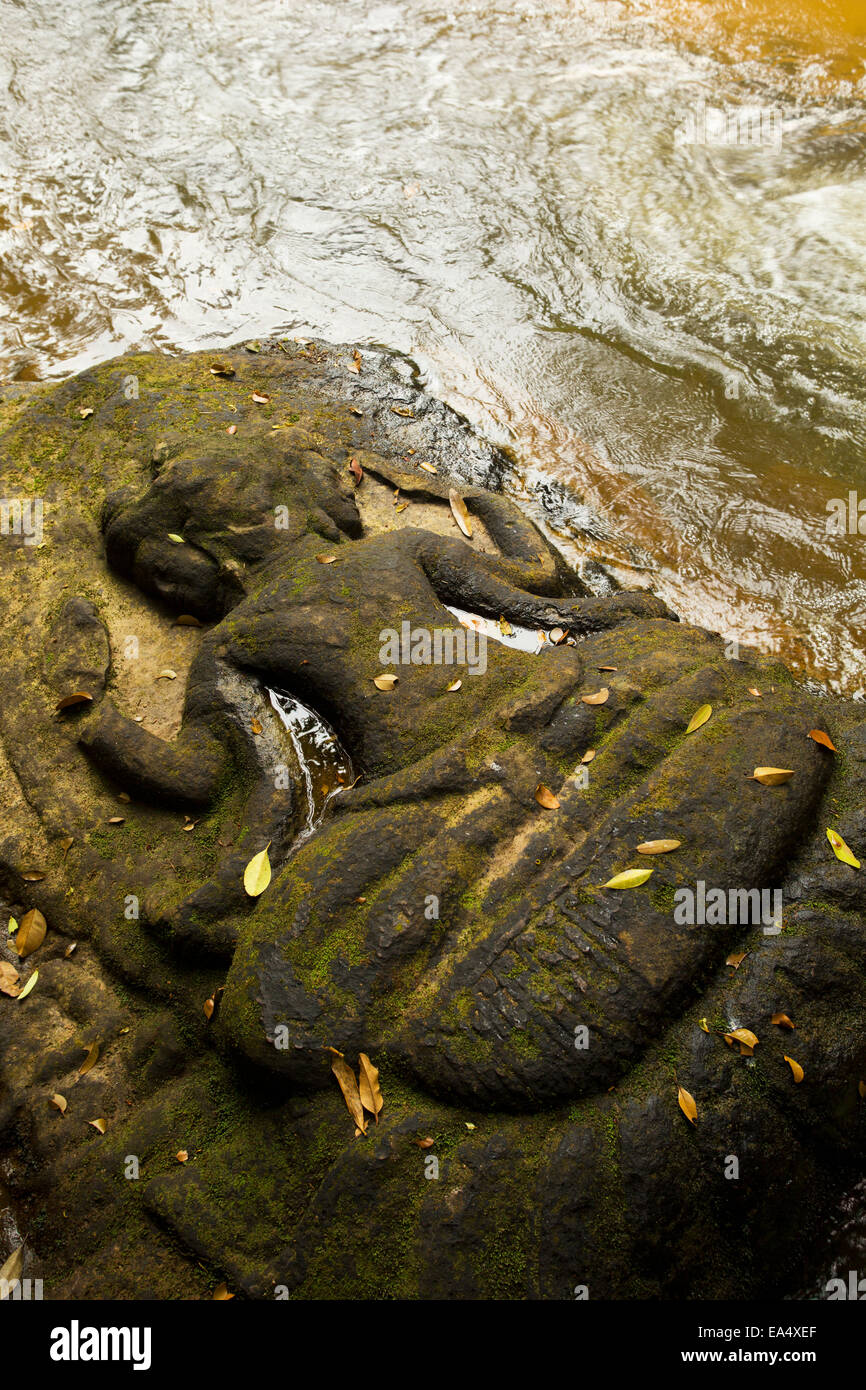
(533, 1023)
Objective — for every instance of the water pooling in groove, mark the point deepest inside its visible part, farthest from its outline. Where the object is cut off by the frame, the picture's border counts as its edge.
(324, 765)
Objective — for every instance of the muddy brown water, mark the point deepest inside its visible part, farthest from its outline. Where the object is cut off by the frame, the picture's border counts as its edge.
(628, 239)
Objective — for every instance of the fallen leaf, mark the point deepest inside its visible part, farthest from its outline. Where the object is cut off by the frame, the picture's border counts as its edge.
(460, 513)
(468, 1124)
(841, 850)
(630, 878)
(208, 1007)
(402, 410)
(78, 697)
(658, 846)
(181, 1155)
(90, 1060)
(167, 675)
(178, 540)
(73, 946)
(402, 507)
(796, 1069)
(327, 559)
(9, 978)
(368, 1085)
(556, 635)
(33, 875)
(782, 1020)
(386, 681)
(546, 798)
(455, 685)
(757, 694)
(13, 926)
(505, 627)
(12, 1270)
(699, 718)
(98, 1125)
(356, 470)
(588, 755)
(353, 410)
(221, 1294)
(257, 874)
(702, 1023)
(772, 776)
(186, 620)
(219, 369)
(824, 739)
(600, 697)
(861, 1087)
(428, 467)
(428, 1142)
(255, 726)
(736, 959)
(355, 364)
(85, 412)
(607, 668)
(31, 933)
(687, 1104)
(352, 1096)
(232, 429)
(66, 844)
(116, 820)
(260, 398)
(742, 1035)
(59, 1102)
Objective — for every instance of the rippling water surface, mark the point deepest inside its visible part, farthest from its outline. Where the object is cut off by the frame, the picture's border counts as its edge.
(668, 326)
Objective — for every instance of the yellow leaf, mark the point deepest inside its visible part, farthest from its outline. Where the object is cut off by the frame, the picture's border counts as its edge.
(173, 536)
(743, 1035)
(368, 1077)
(98, 1125)
(428, 467)
(782, 1020)
(546, 798)
(221, 1294)
(90, 1060)
(182, 1156)
(841, 850)
(505, 627)
(687, 1104)
(167, 675)
(702, 1023)
(699, 717)
(736, 959)
(824, 739)
(257, 874)
(460, 513)
(385, 681)
(600, 697)
(326, 559)
(78, 697)
(796, 1069)
(13, 926)
(658, 846)
(631, 878)
(588, 755)
(352, 1096)
(455, 685)
(29, 985)
(773, 776)
(59, 1102)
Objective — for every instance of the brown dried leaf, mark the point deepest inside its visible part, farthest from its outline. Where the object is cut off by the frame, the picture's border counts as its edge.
(368, 1079)
(428, 1142)
(546, 798)
(607, 668)
(221, 1294)
(260, 398)
(59, 1102)
(757, 694)
(783, 1021)
(181, 1155)
(588, 755)
(356, 470)
(658, 846)
(78, 697)
(186, 620)
(352, 1096)
(90, 1060)
(31, 933)
(98, 1125)
(460, 513)
(742, 1035)
(824, 739)
(33, 875)
(736, 959)
(772, 776)
(600, 697)
(232, 429)
(116, 820)
(428, 467)
(66, 844)
(327, 559)
(402, 410)
(220, 369)
(9, 978)
(73, 946)
(255, 726)
(386, 681)
(167, 675)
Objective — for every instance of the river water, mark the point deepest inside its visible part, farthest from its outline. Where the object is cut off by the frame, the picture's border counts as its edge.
(628, 239)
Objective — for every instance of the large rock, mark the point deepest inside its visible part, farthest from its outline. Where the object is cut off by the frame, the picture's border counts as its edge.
(440, 919)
